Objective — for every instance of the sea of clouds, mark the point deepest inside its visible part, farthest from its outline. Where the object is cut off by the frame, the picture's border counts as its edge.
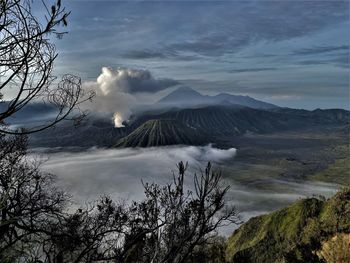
(86, 175)
(118, 172)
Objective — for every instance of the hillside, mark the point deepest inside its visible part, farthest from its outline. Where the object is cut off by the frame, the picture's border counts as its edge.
(161, 132)
(302, 232)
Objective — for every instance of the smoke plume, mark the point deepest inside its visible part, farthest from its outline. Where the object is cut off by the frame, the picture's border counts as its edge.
(119, 90)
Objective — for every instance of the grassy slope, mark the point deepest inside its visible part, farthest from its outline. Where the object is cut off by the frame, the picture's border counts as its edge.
(339, 171)
(292, 233)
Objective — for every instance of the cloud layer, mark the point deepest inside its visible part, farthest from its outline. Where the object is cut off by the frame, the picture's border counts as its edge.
(118, 172)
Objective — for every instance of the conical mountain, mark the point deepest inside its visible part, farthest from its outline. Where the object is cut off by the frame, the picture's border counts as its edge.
(161, 132)
(184, 96)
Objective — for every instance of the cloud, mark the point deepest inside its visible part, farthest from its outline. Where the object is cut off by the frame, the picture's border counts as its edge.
(225, 30)
(119, 90)
(250, 70)
(164, 54)
(131, 81)
(201, 40)
(123, 169)
(118, 172)
(143, 54)
(339, 60)
(320, 50)
(204, 46)
(209, 28)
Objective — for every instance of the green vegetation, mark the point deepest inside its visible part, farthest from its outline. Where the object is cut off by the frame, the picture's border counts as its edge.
(292, 234)
(264, 160)
(338, 171)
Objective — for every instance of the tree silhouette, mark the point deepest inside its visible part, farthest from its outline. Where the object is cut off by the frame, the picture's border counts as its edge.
(30, 204)
(26, 65)
(167, 226)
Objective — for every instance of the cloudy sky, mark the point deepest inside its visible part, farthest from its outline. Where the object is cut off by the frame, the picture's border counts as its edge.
(292, 53)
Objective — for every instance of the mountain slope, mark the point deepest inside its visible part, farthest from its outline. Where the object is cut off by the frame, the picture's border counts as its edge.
(161, 132)
(291, 234)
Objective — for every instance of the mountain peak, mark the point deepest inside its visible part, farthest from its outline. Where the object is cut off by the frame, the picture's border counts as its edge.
(185, 88)
(183, 95)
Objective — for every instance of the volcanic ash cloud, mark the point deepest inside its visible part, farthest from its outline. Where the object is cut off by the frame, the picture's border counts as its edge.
(119, 90)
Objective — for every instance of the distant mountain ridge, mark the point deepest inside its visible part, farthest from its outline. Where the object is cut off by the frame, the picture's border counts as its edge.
(36, 111)
(187, 97)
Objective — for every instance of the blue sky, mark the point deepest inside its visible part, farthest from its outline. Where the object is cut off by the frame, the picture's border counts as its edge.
(292, 53)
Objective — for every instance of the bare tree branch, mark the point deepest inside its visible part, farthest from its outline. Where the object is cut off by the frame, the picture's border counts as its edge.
(26, 65)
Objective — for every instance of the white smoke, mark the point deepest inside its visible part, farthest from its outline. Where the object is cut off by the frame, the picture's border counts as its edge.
(118, 120)
(119, 90)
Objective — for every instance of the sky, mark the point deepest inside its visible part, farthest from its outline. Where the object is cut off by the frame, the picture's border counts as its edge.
(291, 53)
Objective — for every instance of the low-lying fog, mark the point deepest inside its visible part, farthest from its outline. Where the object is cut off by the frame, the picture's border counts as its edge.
(118, 172)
